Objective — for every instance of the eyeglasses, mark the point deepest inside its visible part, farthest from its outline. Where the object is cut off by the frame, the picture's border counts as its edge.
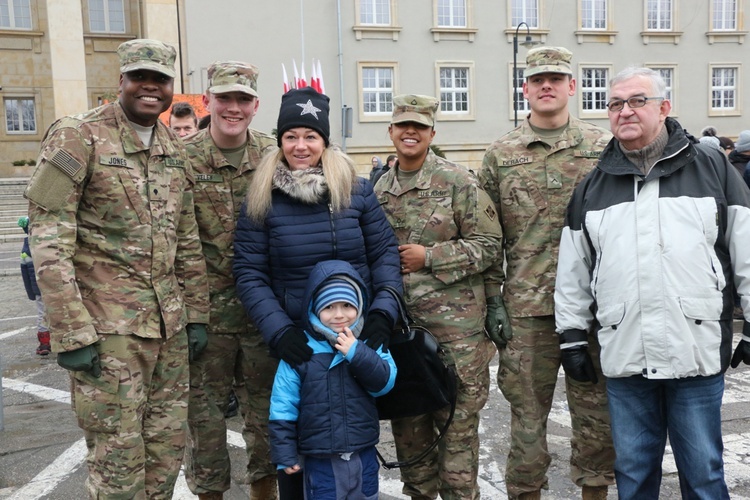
(633, 102)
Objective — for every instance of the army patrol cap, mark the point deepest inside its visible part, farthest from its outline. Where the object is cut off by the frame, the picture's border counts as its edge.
(233, 76)
(147, 54)
(548, 60)
(414, 108)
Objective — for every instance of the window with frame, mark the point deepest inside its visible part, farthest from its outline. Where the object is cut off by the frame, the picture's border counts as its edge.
(594, 14)
(20, 115)
(521, 103)
(377, 90)
(15, 14)
(594, 89)
(375, 12)
(106, 16)
(451, 14)
(659, 15)
(454, 90)
(667, 74)
(724, 89)
(525, 11)
(724, 15)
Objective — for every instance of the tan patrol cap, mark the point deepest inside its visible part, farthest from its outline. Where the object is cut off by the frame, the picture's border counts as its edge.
(548, 60)
(148, 54)
(233, 76)
(414, 108)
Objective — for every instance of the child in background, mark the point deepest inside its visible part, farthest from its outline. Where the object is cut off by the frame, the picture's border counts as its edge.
(323, 415)
(32, 291)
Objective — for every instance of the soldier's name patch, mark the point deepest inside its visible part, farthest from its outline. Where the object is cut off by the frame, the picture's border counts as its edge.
(517, 161)
(174, 162)
(432, 193)
(113, 161)
(209, 177)
(65, 162)
(582, 153)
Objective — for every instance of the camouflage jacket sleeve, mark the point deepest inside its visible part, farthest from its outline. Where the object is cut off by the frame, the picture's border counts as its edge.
(190, 264)
(479, 239)
(54, 193)
(494, 276)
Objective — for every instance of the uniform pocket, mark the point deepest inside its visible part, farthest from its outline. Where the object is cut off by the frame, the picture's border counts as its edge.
(96, 401)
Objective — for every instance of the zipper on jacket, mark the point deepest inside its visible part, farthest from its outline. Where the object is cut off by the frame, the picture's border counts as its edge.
(333, 231)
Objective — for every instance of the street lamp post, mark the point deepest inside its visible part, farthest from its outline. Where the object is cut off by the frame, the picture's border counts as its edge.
(527, 42)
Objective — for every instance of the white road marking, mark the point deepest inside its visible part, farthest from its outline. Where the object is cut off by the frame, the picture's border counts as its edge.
(11, 333)
(55, 473)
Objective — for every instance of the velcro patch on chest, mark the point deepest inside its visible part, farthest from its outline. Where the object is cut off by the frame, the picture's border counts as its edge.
(208, 177)
(433, 193)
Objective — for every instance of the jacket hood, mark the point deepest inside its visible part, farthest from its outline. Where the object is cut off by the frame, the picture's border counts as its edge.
(321, 273)
(613, 160)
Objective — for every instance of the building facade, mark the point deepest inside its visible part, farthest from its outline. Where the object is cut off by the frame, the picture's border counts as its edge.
(461, 51)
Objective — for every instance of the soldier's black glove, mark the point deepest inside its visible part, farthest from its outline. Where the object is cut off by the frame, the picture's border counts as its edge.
(576, 361)
(377, 331)
(292, 346)
(742, 353)
(197, 339)
(497, 322)
(85, 359)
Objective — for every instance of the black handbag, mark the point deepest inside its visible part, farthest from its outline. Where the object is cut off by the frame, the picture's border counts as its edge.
(424, 382)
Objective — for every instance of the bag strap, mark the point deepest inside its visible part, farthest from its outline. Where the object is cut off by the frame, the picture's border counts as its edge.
(406, 322)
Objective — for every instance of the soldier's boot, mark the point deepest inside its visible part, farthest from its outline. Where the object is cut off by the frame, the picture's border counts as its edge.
(44, 348)
(594, 492)
(531, 495)
(214, 495)
(264, 489)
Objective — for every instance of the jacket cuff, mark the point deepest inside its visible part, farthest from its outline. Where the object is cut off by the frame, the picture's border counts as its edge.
(573, 338)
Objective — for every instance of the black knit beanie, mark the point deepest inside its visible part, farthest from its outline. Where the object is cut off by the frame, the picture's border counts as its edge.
(304, 108)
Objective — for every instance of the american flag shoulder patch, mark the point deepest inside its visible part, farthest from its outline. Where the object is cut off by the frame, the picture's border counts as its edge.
(66, 163)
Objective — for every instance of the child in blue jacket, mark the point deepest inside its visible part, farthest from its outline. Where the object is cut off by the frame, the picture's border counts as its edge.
(323, 415)
(32, 291)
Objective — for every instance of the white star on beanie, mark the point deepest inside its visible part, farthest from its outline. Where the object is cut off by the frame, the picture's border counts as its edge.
(308, 109)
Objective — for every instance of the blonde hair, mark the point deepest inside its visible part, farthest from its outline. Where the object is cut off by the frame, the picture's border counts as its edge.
(338, 170)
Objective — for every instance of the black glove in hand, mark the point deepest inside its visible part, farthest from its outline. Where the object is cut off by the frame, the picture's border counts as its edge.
(578, 365)
(85, 359)
(292, 346)
(197, 339)
(741, 354)
(377, 331)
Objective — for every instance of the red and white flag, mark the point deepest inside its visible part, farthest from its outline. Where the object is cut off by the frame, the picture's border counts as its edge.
(296, 75)
(287, 87)
(303, 79)
(314, 80)
(321, 85)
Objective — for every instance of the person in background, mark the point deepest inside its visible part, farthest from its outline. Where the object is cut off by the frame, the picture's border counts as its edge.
(448, 234)
(118, 258)
(740, 157)
(32, 291)
(224, 157)
(654, 239)
(323, 410)
(710, 141)
(530, 174)
(727, 145)
(305, 204)
(375, 175)
(182, 119)
(377, 170)
(204, 122)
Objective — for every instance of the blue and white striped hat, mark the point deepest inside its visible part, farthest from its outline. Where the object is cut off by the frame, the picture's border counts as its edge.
(336, 290)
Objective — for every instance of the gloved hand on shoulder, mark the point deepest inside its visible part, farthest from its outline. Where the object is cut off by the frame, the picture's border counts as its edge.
(85, 359)
(576, 361)
(377, 331)
(497, 322)
(197, 339)
(292, 346)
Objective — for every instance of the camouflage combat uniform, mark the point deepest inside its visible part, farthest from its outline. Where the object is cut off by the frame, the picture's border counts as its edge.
(118, 259)
(531, 185)
(443, 208)
(220, 190)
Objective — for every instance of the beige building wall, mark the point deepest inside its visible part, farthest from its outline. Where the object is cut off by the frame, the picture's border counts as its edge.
(415, 47)
(66, 68)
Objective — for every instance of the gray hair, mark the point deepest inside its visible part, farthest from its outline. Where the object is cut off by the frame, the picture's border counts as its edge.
(657, 82)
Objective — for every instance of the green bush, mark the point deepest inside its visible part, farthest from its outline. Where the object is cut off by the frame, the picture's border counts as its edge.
(19, 163)
(437, 151)
(31, 162)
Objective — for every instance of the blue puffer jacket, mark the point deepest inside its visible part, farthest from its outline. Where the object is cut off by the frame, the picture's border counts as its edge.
(273, 260)
(326, 405)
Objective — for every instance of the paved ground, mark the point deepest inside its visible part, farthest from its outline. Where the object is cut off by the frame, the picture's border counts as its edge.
(42, 450)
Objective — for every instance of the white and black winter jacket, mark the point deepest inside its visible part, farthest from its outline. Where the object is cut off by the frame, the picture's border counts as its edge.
(651, 260)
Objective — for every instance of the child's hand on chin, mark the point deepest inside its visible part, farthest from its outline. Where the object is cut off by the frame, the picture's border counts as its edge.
(345, 341)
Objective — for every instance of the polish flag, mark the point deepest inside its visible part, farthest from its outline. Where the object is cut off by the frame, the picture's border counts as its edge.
(287, 87)
(321, 86)
(296, 75)
(314, 80)
(303, 80)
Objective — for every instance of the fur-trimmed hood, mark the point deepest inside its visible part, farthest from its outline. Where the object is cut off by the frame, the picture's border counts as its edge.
(308, 186)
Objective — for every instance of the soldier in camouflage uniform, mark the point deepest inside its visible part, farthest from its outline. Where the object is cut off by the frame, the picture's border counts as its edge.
(224, 156)
(118, 259)
(449, 234)
(530, 174)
